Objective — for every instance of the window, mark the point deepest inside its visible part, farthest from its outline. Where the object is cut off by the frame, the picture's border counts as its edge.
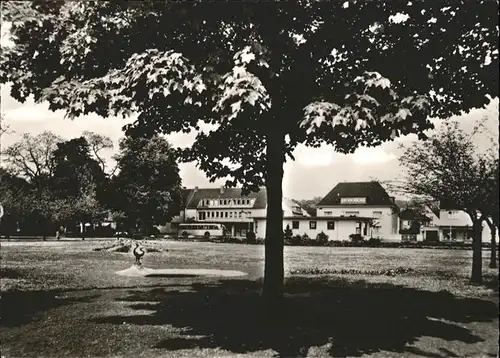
(225, 214)
(447, 235)
(452, 215)
(239, 214)
(330, 225)
(328, 213)
(351, 213)
(220, 202)
(295, 224)
(353, 200)
(312, 225)
(230, 214)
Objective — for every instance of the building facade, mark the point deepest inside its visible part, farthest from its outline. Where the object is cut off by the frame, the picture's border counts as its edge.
(456, 225)
(349, 208)
(362, 208)
(226, 206)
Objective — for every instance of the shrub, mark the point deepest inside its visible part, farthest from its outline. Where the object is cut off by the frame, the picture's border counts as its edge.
(327, 271)
(356, 238)
(255, 241)
(288, 232)
(250, 237)
(322, 238)
(374, 242)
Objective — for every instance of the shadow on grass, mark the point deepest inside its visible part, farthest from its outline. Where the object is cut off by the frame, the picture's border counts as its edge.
(21, 307)
(7, 272)
(354, 318)
(491, 282)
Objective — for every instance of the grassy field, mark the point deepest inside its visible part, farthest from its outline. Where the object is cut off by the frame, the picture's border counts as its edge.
(62, 299)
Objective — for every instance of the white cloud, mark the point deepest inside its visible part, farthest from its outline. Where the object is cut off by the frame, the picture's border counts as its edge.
(369, 156)
(314, 157)
(31, 112)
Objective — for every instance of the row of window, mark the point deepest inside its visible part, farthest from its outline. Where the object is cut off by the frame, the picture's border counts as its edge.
(218, 202)
(376, 214)
(203, 215)
(353, 200)
(200, 227)
(330, 225)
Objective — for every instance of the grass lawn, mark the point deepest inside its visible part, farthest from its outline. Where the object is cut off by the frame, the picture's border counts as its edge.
(61, 299)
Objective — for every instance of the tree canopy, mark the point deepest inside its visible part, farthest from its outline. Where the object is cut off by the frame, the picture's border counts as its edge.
(449, 168)
(265, 75)
(30, 157)
(147, 186)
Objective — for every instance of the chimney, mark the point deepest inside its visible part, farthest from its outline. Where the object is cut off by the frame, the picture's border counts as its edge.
(195, 188)
(393, 199)
(222, 189)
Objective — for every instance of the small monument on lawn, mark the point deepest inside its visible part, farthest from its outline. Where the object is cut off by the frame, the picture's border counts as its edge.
(138, 253)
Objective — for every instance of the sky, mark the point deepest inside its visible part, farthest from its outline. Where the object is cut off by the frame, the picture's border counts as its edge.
(314, 172)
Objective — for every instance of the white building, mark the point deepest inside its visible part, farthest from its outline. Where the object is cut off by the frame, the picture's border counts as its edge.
(441, 224)
(456, 225)
(221, 205)
(362, 208)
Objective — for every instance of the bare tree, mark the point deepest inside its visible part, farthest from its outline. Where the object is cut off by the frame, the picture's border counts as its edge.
(97, 144)
(30, 157)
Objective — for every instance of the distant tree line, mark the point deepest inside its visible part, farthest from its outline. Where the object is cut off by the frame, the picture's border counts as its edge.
(49, 184)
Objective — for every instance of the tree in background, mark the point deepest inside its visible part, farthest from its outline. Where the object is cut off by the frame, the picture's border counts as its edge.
(309, 205)
(78, 183)
(30, 157)
(97, 144)
(448, 168)
(148, 185)
(265, 76)
(12, 189)
(59, 182)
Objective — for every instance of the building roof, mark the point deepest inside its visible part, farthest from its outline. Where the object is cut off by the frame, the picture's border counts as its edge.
(448, 205)
(197, 194)
(434, 207)
(374, 193)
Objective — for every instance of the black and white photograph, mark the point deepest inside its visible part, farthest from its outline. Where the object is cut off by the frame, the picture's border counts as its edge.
(249, 178)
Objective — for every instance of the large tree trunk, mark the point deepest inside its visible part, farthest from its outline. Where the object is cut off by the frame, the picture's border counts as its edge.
(493, 249)
(274, 267)
(477, 253)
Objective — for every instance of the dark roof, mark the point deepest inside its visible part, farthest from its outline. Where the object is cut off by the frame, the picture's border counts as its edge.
(196, 195)
(373, 191)
(448, 205)
(411, 214)
(434, 206)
